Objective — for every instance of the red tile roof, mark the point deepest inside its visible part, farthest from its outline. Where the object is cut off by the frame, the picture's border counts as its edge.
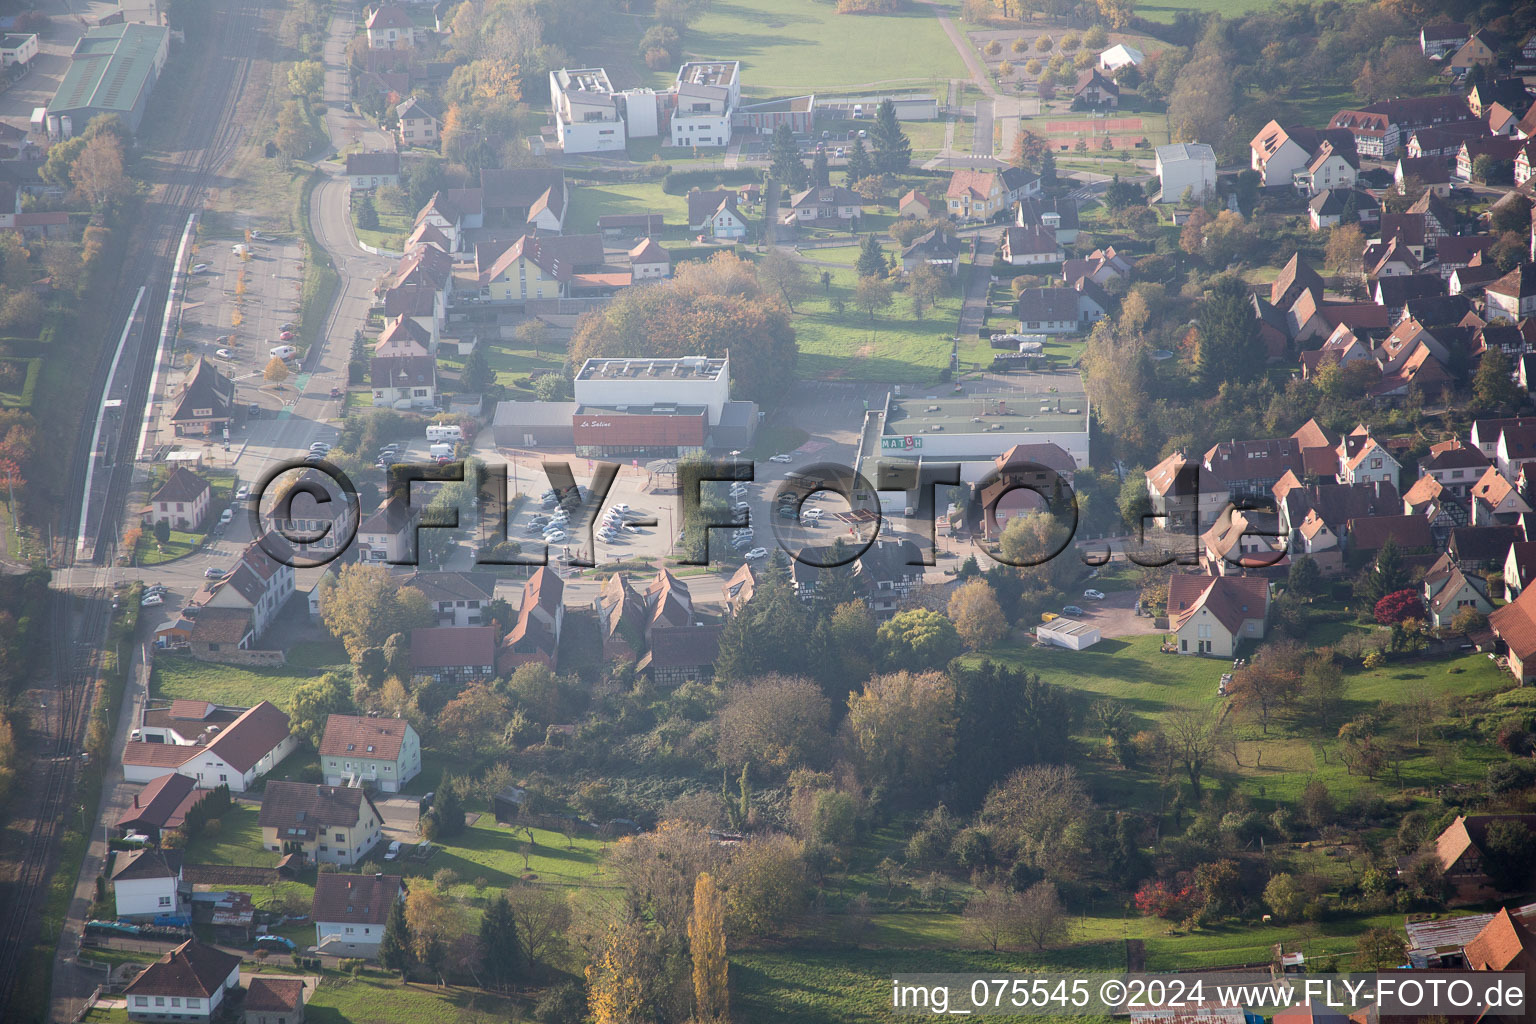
(274, 995)
(453, 647)
(363, 736)
(252, 736)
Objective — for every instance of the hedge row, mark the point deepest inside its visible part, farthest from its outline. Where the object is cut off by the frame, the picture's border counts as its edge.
(611, 175)
(23, 399)
(680, 183)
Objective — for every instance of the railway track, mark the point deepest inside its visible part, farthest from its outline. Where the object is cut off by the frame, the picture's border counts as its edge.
(81, 610)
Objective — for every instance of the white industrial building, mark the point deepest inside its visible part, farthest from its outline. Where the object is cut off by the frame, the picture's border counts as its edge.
(1068, 633)
(618, 383)
(1185, 166)
(590, 117)
(706, 95)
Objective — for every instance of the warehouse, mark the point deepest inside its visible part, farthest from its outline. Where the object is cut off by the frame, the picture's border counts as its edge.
(635, 408)
(112, 71)
(1068, 633)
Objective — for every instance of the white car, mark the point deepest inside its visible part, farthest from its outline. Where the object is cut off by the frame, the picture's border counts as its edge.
(243, 493)
(213, 572)
(1094, 595)
(781, 457)
(393, 851)
(813, 513)
(742, 506)
(554, 537)
(199, 268)
(151, 601)
(223, 353)
(755, 554)
(225, 516)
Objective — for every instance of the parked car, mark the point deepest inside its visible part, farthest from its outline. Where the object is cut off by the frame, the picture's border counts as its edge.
(275, 943)
(243, 493)
(223, 353)
(335, 392)
(755, 554)
(199, 268)
(813, 513)
(1071, 609)
(393, 851)
(225, 516)
(1094, 595)
(285, 336)
(554, 537)
(136, 838)
(213, 572)
(783, 456)
(151, 601)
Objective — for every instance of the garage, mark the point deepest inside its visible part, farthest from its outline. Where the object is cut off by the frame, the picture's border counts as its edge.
(1068, 633)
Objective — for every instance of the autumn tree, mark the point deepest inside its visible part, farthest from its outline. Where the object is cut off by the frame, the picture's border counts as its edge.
(621, 979)
(97, 172)
(977, 617)
(903, 729)
(295, 132)
(872, 294)
(991, 916)
(435, 921)
(783, 274)
(706, 943)
(1192, 735)
(1346, 243)
(305, 77)
(1039, 815)
(367, 605)
(776, 722)
(276, 371)
(1380, 949)
(1041, 919)
(924, 286)
(706, 309)
(765, 887)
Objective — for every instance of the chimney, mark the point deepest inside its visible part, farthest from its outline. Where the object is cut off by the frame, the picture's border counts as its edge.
(135, 800)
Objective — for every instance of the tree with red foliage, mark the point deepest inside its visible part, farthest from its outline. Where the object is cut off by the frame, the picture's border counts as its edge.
(1399, 606)
(1160, 899)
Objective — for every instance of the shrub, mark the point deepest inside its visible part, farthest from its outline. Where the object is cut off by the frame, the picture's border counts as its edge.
(1021, 45)
(1399, 606)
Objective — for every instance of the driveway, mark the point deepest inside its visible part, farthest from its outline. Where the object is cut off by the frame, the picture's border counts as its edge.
(401, 814)
(1115, 616)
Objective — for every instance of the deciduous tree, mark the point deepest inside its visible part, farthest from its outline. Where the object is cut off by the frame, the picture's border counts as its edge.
(706, 944)
(977, 617)
(903, 729)
(367, 606)
(776, 722)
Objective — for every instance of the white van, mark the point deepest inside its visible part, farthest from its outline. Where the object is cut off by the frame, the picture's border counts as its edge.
(283, 351)
(444, 432)
(240, 250)
(441, 451)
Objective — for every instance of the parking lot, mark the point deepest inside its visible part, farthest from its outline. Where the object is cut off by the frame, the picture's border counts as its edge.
(238, 305)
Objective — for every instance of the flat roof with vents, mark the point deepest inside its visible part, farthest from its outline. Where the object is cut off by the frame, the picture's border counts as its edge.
(1041, 410)
(112, 70)
(594, 80)
(684, 368)
(713, 72)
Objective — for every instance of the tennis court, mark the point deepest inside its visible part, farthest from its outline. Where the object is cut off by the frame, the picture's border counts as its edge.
(1100, 124)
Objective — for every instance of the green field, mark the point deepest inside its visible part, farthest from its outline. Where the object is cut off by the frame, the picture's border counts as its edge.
(373, 999)
(493, 854)
(181, 676)
(894, 346)
(1276, 766)
(800, 46)
(235, 840)
(1166, 11)
(593, 201)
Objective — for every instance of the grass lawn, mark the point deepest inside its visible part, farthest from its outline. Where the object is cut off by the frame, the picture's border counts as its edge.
(180, 545)
(373, 999)
(512, 360)
(895, 346)
(800, 46)
(494, 853)
(1273, 766)
(235, 840)
(359, 400)
(181, 676)
(1165, 10)
(593, 201)
(393, 230)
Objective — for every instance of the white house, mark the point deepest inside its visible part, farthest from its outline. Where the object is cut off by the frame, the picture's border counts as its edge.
(588, 118)
(182, 501)
(715, 214)
(648, 261)
(1185, 167)
(235, 755)
(1326, 169)
(390, 28)
(147, 882)
(1118, 56)
(1213, 614)
(1276, 156)
(384, 537)
(366, 171)
(706, 95)
(258, 583)
(350, 912)
(1363, 460)
(187, 984)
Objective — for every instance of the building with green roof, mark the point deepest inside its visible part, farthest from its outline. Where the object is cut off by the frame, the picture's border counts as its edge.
(112, 71)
